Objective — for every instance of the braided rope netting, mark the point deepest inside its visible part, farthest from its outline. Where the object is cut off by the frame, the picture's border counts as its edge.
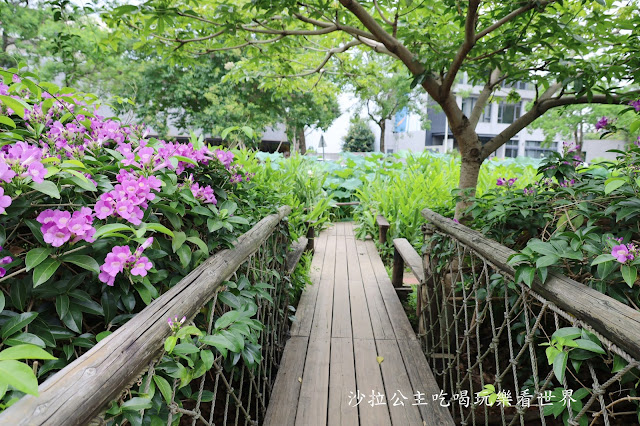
(233, 394)
(478, 328)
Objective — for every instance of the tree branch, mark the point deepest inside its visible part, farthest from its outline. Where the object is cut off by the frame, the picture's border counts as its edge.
(375, 3)
(545, 103)
(239, 46)
(483, 97)
(465, 48)
(393, 45)
(324, 61)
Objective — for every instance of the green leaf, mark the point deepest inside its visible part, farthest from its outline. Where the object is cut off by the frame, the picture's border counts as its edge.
(560, 365)
(165, 388)
(217, 341)
(170, 343)
(602, 258)
(160, 228)
(547, 260)
(103, 335)
(589, 345)
(541, 247)
(112, 227)
(184, 253)
(83, 261)
(2, 301)
(613, 184)
(201, 244)
(19, 375)
(136, 404)
(46, 187)
(17, 323)
(179, 238)
(7, 121)
(36, 257)
(525, 274)
(44, 271)
(25, 352)
(62, 305)
(567, 333)
(17, 105)
(629, 274)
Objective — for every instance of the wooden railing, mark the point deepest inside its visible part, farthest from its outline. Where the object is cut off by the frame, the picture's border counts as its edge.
(81, 391)
(480, 328)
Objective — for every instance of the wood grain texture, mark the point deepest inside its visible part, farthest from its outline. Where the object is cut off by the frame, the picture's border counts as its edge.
(397, 385)
(399, 321)
(422, 380)
(286, 388)
(99, 376)
(314, 392)
(368, 381)
(380, 322)
(293, 257)
(342, 381)
(307, 304)
(341, 323)
(618, 322)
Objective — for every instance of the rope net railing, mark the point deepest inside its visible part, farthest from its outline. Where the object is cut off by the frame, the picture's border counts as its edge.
(504, 354)
(234, 389)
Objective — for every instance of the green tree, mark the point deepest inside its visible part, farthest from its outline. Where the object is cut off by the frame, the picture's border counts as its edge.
(572, 51)
(382, 91)
(359, 137)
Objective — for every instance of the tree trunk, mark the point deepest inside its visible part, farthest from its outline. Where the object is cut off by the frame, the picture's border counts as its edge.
(470, 148)
(302, 142)
(383, 128)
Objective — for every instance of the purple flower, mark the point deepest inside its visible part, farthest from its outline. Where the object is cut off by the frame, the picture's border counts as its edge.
(635, 104)
(501, 182)
(621, 253)
(511, 181)
(141, 266)
(5, 260)
(5, 200)
(59, 226)
(37, 172)
(175, 324)
(16, 78)
(6, 174)
(602, 123)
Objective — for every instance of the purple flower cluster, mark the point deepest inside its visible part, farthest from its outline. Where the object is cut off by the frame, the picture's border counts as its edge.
(624, 252)
(23, 160)
(505, 182)
(635, 104)
(175, 324)
(569, 147)
(4, 261)
(225, 157)
(168, 150)
(128, 199)
(121, 259)
(567, 183)
(204, 193)
(529, 191)
(59, 226)
(603, 123)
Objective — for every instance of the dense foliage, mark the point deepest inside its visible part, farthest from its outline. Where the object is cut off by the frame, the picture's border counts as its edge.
(359, 137)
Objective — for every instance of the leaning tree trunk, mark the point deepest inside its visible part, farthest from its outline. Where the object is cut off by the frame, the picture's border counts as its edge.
(302, 142)
(383, 127)
(470, 151)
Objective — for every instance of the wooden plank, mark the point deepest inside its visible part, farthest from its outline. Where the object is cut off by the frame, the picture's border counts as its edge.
(399, 321)
(342, 381)
(353, 263)
(307, 304)
(339, 228)
(368, 381)
(323, 315)
(382, 221)
(397, 385)
(360, 320)
(314, 392)
(341, 322)
(81, 390)
(410, 256)
(422, 380)
(380, 322)
(283, 404)
(618, 322)
(349, 229)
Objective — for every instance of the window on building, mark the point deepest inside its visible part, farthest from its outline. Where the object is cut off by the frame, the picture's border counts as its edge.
(508, 113)
(523, 85)
(511, 148)
(467, 107)
(534, 149)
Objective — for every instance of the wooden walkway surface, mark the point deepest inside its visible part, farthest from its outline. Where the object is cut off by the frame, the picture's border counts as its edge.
(351, 338)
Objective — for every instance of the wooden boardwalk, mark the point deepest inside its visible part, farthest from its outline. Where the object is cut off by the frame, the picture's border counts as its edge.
(351, 338)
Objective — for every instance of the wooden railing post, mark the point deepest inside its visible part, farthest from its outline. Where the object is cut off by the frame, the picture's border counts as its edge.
(311, 232)
(421, 297)
(383, 227)
(398, 269)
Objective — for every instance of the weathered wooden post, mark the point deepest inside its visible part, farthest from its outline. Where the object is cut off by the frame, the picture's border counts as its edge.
(311, 232)
(383, 227)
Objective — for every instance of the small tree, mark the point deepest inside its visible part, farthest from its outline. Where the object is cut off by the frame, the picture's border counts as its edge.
(359, 137)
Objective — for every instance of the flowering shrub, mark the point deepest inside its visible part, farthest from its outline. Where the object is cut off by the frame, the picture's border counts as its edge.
(581, 221)
(97, 218)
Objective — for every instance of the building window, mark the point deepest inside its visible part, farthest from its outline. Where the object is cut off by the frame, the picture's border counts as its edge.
(511, 148)
(523, 85)
(508, 113)
(467, 108)
(534, 149)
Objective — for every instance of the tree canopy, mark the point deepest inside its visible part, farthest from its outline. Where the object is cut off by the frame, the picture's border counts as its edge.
(359, 137)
